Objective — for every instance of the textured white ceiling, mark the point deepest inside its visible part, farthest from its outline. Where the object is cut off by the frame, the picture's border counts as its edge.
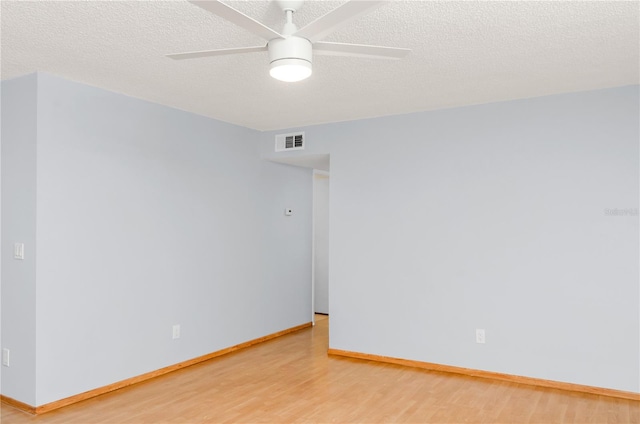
(463, 53)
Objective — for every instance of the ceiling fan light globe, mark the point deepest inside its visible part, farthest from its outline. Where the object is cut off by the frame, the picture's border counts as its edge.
(290, 70)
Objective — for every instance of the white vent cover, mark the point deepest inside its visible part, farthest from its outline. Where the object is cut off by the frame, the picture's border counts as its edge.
(293, 141)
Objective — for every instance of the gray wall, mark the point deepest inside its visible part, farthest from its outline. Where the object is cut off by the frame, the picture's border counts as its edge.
(18, 287)
(490, 217)
(148, 217)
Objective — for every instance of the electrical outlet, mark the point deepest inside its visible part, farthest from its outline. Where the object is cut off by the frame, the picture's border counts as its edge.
(176, 331)
(5, 357)
(480, 335)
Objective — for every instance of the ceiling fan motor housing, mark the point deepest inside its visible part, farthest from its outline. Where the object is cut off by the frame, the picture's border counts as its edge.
(290, 58)
(290, 48)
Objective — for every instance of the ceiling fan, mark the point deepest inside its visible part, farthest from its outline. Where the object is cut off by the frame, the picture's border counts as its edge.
(290, 52)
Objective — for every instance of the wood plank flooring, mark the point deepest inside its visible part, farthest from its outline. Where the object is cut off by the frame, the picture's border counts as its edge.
(291, 379)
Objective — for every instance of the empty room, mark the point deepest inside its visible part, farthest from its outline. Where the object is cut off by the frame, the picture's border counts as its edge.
(320, 211)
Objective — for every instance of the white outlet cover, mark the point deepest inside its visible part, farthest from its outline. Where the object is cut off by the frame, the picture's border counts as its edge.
(480, 335)
(176, 331)
(5, 357)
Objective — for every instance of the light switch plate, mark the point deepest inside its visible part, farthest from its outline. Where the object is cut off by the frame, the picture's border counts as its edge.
(18, 251)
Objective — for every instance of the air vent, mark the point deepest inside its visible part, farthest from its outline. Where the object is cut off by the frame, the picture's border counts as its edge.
(289, 142)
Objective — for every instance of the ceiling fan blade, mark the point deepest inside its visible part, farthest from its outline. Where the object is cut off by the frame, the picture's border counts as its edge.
(359, 50)
(219, 52)
(234, 16)
(337, 18)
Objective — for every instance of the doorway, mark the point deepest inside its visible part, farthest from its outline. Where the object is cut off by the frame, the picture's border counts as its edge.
(320, 267)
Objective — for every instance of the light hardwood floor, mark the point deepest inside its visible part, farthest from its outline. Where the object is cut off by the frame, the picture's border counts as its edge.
(291, 379)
